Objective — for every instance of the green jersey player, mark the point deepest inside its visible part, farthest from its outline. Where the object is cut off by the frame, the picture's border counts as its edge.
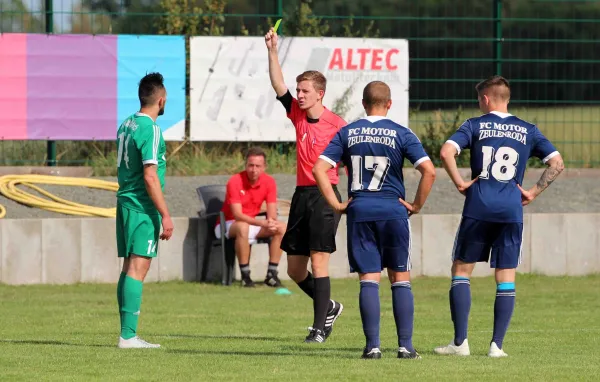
(141, 207)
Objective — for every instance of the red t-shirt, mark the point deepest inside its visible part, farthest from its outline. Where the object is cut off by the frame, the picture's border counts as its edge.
(239, 190)
(311, 139)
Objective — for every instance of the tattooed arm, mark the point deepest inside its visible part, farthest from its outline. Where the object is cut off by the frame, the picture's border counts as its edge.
(555, 167)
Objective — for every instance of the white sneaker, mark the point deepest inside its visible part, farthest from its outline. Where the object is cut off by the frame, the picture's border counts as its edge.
(136, 343)
(452, 349)
(496, 352)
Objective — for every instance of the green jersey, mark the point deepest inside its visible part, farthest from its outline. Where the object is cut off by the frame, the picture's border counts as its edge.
(139, 142)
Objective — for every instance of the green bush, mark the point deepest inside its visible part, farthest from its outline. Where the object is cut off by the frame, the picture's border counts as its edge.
(438, 129)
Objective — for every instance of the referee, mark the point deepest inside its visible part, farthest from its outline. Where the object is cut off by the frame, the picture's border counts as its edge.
(312, 223)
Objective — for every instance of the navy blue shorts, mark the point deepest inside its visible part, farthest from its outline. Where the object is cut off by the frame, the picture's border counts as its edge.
(375, 245)
(481, 241)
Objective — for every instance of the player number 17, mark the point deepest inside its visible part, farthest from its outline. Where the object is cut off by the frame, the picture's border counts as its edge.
(377, 164)
(505, 161)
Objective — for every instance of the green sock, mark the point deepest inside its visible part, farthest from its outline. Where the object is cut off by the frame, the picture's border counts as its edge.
(130, 311)
(120, 290)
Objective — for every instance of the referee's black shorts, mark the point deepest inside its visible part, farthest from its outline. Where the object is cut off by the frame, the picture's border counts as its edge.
(312, 223)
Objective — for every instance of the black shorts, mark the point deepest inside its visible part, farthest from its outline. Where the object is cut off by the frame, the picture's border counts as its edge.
(312, 223)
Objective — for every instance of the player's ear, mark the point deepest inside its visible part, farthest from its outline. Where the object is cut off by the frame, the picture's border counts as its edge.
(389, 104)
(321, 94)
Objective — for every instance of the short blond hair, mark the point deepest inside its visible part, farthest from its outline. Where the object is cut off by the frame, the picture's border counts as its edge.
(317, 78)
(377, 94)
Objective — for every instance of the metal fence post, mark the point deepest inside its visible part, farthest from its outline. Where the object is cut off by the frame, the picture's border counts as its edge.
(498, 37)
(51, 146)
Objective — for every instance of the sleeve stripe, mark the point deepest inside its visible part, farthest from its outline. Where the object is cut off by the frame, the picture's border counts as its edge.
(156, 141)
(456, 146)
(331, 162)
(150, 161)
(550, 156)
(424, 159)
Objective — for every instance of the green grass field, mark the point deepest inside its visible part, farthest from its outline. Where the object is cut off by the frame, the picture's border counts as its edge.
(211, 332)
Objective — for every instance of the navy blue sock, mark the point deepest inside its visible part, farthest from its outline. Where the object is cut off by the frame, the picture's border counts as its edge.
(503, 310)
(370, 312)
(403, 304)
(460, 305)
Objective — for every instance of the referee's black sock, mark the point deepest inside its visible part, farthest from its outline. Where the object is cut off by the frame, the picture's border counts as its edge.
(308, 285)
(321, 301)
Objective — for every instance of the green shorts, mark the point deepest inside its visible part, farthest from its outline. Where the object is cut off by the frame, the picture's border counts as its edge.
(137, 233)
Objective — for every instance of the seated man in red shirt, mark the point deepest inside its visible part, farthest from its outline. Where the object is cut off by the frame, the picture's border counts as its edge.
(246, 192)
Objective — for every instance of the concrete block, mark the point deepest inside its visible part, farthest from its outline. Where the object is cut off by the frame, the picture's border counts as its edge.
(190, 251)
(152, 275)
(338, 261)
(208, 266)
(67, 251)
(525, 266)
(99, 261)
(21, 251)
(583, 244)
(439, 233)
(482, 270)
(61, 251)
(177, 258)
(416, 250)
(548, 244)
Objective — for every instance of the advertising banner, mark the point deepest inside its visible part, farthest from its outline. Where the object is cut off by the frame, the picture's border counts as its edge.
(80, 87)
(231, 98)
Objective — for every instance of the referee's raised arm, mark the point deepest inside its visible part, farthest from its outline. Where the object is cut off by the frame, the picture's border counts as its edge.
(275, 73)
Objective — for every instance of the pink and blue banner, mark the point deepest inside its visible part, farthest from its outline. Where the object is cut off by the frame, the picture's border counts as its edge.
(80, 87)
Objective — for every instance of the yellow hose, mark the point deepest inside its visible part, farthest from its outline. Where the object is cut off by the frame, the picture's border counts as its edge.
(8, 188)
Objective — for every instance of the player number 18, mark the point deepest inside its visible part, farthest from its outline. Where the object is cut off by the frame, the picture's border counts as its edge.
(504, 167)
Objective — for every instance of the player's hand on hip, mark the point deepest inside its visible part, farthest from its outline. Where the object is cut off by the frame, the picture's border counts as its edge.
(167, 225)
(341, 207)
(410, 207)
(462, 188)
(526, 196)
(271, 39)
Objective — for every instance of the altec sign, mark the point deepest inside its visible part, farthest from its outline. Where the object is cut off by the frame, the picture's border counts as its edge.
(364, 59)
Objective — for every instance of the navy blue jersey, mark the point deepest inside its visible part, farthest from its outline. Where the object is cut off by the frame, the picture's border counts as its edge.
(500, 145)
(373, 150)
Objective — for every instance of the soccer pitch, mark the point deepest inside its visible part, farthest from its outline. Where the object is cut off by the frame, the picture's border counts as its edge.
(210, 332)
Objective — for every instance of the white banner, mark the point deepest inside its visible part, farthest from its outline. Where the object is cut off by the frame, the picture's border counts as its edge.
(231, 98)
